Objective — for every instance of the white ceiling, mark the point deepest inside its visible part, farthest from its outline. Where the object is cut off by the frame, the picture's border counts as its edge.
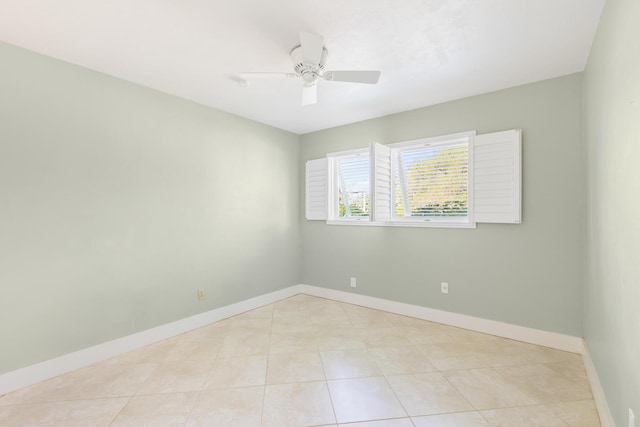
(429, 51)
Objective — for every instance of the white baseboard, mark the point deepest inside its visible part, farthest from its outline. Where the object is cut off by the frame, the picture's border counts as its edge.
(505, 330)
(596, 388)
(492, 327)
(28, 375)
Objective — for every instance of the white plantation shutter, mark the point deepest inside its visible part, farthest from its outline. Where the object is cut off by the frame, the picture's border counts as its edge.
(317, 189)
(497, 177)
(381, 179)
(449, 181)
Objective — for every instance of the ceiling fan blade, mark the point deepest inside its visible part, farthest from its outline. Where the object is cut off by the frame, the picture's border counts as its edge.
(248, 76)
(370, 77)
(309, 94)
(312, 45)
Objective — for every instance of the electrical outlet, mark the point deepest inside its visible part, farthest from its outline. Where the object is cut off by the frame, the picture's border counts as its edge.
(632, 418)
(353, 282)
(200, 294)
(444, 287)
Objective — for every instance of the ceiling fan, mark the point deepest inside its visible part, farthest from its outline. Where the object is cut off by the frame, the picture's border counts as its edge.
(308, 63)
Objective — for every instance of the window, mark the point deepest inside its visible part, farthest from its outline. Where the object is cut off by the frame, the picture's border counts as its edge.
(350, 185)
(449, 181)
(431, 180)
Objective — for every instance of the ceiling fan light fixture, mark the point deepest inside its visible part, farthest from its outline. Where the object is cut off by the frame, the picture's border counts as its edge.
(309, 59)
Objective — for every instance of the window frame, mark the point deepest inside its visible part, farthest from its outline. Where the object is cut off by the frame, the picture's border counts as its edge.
(382, 183)
(442, 140)
(333, 205)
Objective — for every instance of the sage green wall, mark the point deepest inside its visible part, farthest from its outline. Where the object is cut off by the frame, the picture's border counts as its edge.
(612, 135)
(528, 274)
(118, 202)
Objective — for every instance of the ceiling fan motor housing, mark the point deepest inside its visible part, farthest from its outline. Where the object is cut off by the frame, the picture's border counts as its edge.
(309, 72)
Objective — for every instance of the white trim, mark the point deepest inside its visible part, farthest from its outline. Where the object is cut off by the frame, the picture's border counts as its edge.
(416, 224)
(462, 138)
(452, 138)
(356, 152)
(421, 222)
(501, 329)
(332, 171)
(28, 375)
(596, 388)
(352, 221)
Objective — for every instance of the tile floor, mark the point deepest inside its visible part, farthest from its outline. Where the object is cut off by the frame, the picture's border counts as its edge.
(308, 361)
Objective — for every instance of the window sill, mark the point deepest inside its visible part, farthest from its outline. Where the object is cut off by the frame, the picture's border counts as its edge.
(415, 224)
(354, 222)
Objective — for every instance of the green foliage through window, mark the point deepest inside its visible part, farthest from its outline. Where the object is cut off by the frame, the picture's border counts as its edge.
(353, 186)
(432, 181)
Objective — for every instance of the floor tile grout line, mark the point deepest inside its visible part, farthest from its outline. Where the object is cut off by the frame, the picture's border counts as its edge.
(458, 390)
(266, 372)
(520, 407)
(326, 381)
(494, 368)
(88, 399)
(350, 423)
(120, 411)
(333, 406)
(484, 417)
(530, 405)
(195, 403)
(397, 397)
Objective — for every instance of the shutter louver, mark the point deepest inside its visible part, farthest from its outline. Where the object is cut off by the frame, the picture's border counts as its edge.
(316, 189)
(497, 182)
(381, 179)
